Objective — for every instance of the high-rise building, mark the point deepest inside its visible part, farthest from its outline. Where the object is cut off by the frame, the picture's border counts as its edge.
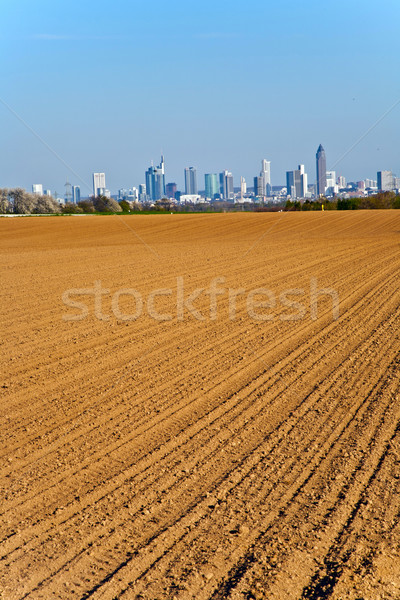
(294, 184)
(155, 181)
(371, 183)
(226, 185)
(385, 181)
(170, 190)
(303, 182)
(259, 187)
(99, 184)
(142, 193)
(190, 181)
(211, 185)
(321, 171)
(37, 189)
(266, 174)
(341, 181)
(243, 187)
(76, 194)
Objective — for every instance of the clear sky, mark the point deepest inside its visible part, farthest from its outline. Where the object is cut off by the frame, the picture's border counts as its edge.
(109, 85)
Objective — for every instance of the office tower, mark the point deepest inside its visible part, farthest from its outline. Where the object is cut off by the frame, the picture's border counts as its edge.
(155, 181)
(211, 185)
(259, 187)
(330, 178)
(142, 193)
(76, 194)
(266, 174)
(171, 190)
(321, 171)
(99, 184)
(295, 181)
(47, 192)
(190, 180)
(37, 189)
(226, 185)
(385, 181)
(243, 187)
(341, 181)
(371, 183)
(303, 182)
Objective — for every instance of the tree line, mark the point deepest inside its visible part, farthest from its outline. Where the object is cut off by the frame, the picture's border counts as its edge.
(18, 201)
(381, 200)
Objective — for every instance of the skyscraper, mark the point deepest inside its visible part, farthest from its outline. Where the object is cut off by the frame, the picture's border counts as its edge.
(155, 181)
(385, 181)
(294, 184)
(142, 193)
(99, 184)
(226, 185)
(321, 171)
(76, 194)
(259, 186)
(37, 189)
(243, 187)
(303, 182)
(266, 174)
(171, 190)
(190, 180)
(211, 183)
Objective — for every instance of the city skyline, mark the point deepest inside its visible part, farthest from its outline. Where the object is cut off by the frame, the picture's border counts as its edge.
(221, 184)
(86, 89)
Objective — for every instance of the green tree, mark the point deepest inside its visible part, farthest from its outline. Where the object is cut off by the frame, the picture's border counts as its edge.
(103, 204)
(86, 206)
(125, 207)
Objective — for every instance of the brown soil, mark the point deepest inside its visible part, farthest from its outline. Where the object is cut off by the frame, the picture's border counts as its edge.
(201, 459)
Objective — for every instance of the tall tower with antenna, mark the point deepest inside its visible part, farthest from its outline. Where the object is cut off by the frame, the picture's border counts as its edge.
(68, 191)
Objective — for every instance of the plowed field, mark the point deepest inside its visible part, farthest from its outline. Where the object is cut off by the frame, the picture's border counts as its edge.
(204, 455)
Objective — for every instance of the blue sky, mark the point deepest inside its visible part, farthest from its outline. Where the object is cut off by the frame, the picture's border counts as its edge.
(214, 84)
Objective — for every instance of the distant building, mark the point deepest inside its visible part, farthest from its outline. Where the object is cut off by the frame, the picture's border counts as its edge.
(259, 186)
(266, 174)
(130, 195)
(226, 185)
(341, 181)
(211, 185)
(303, 182)
(243, 187)
(297, 183)
(99, 184)
(142, 193)
(155, 181)
(371, 183)
(47, 193)
(331, 187)
(321, 171)
(171, 189)
(37, 189)
(385, 181)
(190, 198)
(190, 181)
(76, 194)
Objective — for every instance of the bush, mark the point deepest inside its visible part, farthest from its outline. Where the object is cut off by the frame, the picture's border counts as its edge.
(103, 204)
(86, 206)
